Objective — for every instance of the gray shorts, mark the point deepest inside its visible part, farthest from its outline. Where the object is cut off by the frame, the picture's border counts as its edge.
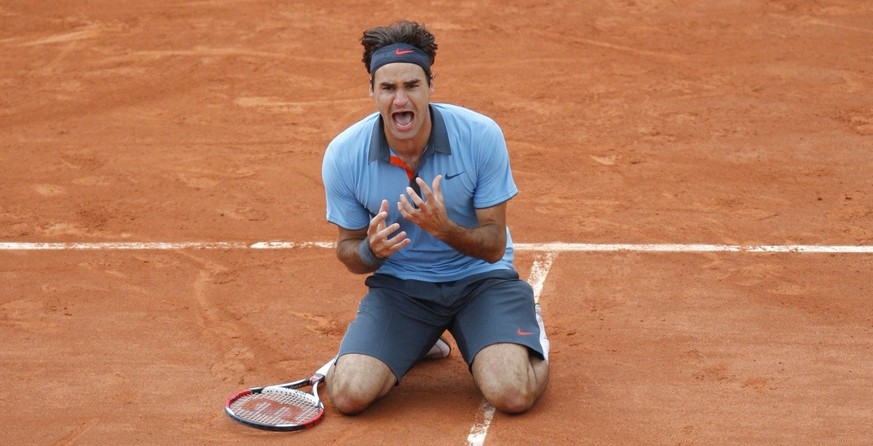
(398, 321)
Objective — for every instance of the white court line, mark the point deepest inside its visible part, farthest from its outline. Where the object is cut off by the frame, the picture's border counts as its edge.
(538, 272)
(672, 247)
(539, 247)
(146, 246)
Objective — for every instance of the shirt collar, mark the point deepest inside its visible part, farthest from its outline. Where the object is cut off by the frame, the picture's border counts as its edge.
(437, 142)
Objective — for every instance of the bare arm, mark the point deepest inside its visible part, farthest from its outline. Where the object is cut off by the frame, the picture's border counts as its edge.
(486, 241)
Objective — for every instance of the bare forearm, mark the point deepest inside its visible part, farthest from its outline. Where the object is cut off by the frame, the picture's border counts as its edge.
(487, 242)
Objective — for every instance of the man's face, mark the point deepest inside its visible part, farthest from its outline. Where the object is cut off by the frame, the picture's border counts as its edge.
(402, 95)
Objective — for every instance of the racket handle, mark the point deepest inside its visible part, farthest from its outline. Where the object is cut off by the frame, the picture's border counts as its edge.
(323, 370)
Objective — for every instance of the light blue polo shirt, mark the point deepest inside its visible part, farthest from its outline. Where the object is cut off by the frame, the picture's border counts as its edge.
(468, 149)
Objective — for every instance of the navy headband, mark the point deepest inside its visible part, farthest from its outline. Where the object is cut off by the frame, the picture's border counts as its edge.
(399, 53)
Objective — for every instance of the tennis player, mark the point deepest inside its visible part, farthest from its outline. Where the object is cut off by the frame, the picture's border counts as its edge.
(418, 191)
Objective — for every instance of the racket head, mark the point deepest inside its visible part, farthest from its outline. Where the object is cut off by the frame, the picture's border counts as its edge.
(276, 408)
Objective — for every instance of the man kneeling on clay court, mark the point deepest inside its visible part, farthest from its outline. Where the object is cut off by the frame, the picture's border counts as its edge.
(418, 191)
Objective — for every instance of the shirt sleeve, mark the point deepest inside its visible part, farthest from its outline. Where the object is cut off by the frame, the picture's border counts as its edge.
(495, 184)
(339, 176)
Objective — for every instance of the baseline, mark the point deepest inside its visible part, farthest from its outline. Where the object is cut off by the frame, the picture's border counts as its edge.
(541, 247)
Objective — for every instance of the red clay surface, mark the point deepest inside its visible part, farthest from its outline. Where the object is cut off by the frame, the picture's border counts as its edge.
(643, 121)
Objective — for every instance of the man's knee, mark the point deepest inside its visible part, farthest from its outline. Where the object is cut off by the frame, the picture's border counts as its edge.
(346, 397)
(512, 399)
(356, 381)
(508, 378)
(349, 402)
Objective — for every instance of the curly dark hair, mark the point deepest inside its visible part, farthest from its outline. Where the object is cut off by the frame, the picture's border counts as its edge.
(404, 31)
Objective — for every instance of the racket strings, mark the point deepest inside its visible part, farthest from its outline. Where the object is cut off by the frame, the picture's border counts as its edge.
(278, 407)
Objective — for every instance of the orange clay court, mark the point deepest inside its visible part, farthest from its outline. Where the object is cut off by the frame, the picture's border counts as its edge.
(148, 149)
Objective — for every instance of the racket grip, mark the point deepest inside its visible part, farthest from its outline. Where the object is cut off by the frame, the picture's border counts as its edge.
(322, 372)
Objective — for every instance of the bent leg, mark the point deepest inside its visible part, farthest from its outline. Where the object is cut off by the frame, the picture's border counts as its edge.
(393, 329)
(356, 381)
(510, 377)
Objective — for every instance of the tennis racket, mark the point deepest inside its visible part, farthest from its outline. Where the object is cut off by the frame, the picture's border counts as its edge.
(282, 407)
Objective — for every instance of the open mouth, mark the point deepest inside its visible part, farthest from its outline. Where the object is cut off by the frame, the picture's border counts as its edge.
(403, 120)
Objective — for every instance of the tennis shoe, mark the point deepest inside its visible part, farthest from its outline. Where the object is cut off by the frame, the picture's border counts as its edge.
(440, 349)
(544, 341)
